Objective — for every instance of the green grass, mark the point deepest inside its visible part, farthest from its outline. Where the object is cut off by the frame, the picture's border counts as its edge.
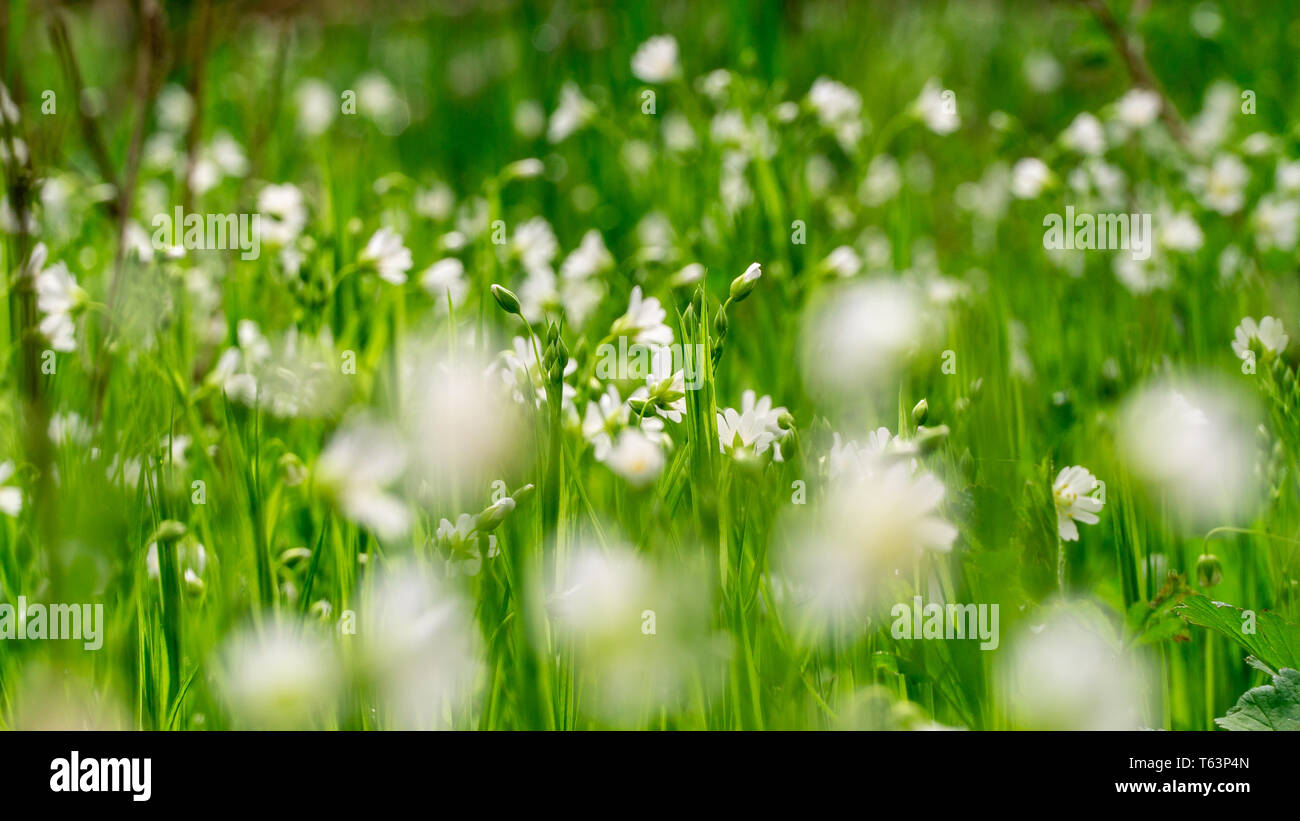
(373, 631)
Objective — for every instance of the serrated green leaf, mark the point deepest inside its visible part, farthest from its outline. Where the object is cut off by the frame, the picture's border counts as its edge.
(1275, 642)
(1273, 706)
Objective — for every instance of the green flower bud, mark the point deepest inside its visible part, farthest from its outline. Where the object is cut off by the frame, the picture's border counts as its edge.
(494, 515)
(929, 439)
(920, 411)
(744, 284)
(506, 299)
(1208, 570)
(168, 531)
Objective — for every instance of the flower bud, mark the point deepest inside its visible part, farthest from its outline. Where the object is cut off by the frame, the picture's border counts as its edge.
(920, 411)
(744, 284)
(1208, 570)
(168, 531)
(506, 299)
(494, 515)
(929, 439)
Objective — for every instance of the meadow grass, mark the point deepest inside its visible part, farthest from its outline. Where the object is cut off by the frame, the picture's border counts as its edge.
(303, 495)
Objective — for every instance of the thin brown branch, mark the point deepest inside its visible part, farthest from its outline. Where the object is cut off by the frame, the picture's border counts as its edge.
(1138, 68)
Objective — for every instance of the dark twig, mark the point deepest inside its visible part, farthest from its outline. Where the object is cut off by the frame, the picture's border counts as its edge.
(1138, 68)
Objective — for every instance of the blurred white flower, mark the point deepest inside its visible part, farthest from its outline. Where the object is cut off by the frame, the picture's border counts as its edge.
(1066, 674)
(1268, 332)
(1221, 187)
(1029, 176)
(283, 213)
(635, 457)
(1178, 231)
(317, 104)
(873, 524)
(419, 647)
(1042, 72)
(1141, 276)
(11, 498)
(1288, 177)
(1138, 108)
(278, 677)
(434, 202)
(838, 109)
(572, 113)
(844, 261)
(58, 297)
(535, 244)
(655, 61)
(856, 335)
(529, 119)
(386, 253)
(1192, 443)
(882, 183)
(460, 426)
(937, 108)
(1085, 135)
(1277, 223)
(445, 281)
(1072, 493)
(354, 470)
(591, 257)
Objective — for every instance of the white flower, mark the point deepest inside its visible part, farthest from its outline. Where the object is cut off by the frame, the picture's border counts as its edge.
(1066, 674)
(317, 104)
(419, 647)
(1028, 178)
(1072, 494)
(1268, 332)
(643, 322)
(604, 417)
(636, 458)
(388, 255)
(1138, 108)
(354, 469)
(1277, 223)
(534, 241)
(844, 261)
(11, 498)
(1141, 276)
(753, 430)
(663, 385)
(58, 298)
(1042, 72)
(937, 107)
(1222, 186)
(1085, 135)
(283, 213)
(1179, 232)
(1288, 177)
(883, 181)
(690, 273)
(434, 202)
(856, 335)
(872, 527)
(588, 259)
(572, 113)
(462, 540)
(278, 677)
(444, 280)
(839, 109)
(1194, 445)
(655, 61)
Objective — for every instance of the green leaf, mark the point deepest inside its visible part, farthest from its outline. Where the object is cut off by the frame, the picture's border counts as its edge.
(1275, 642)
(1273, 706)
